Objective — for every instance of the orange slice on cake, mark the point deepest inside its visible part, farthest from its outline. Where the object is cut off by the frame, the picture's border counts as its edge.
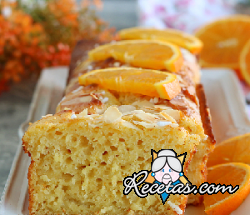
(187, 41)
(228, 174)
(236, 149)
(245, 62)
(223, 41)
(141, 53)
(142, 81)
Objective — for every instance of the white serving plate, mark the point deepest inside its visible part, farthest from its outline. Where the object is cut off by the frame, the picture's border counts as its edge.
(225, 100)
(48, 93)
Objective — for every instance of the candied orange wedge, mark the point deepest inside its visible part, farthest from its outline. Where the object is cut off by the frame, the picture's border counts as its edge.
(227, 174)
(142, 81)
(223, 41)
(141, 53)
(235, 149)
(187, 41)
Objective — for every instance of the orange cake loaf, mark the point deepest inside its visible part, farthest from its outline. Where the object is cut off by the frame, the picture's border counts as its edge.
(189, 77)
(102, 134)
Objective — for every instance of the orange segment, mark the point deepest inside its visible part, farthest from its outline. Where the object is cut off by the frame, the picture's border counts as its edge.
(231, 173)
(141, 53)
(223, 41)
(143, 81)
(187, 41)
(236, 149)
(245, 62)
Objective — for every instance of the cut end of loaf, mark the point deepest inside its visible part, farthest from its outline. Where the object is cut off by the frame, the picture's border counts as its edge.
(86, 163)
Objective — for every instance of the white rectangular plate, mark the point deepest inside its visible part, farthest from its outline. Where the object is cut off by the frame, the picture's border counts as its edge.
(225, 100)
(48, 93)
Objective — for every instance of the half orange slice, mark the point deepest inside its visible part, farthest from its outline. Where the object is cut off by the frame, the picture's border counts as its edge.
(187, 41)
(141, 53)
(227, 174)
(236, 149)
(142, 81)
(223, 41)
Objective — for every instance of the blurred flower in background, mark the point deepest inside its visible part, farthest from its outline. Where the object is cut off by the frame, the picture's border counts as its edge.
(185, 15)
(42, 33)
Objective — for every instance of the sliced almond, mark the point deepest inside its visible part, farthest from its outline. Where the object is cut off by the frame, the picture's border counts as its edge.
(112, 114)
(78, 89)
(154, 100)
(126, 108)
(143, 103)
(174, 125)
(167, 117)
(162, 107)
(83, 113)
(145, 124)
(66, 108)
(99, 111)
(78, 100)
(148, 117)
(176, 114)
(128, 124)
(47, 115)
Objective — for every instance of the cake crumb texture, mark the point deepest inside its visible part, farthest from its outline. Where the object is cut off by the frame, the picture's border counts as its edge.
(79, 169)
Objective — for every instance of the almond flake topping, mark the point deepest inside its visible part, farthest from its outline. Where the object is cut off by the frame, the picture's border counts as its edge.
(143, 103)
(125, 109)
(145, 124)
(47, 115)
(84, 99)
(112, 114)
(99, 111)
(167, 117)
(163, 107)
(154, 100)
(175, 207)
(78, 89)
(148, 117)
(66, 108)
(128, 124)
(83, 113)
(172, 113)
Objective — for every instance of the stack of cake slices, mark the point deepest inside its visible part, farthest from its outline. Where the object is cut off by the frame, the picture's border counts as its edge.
(123, 99)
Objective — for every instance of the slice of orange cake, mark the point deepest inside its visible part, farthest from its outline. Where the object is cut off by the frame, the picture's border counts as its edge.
(101, 134)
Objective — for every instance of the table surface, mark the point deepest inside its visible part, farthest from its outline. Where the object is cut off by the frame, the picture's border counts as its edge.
(14, 107)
